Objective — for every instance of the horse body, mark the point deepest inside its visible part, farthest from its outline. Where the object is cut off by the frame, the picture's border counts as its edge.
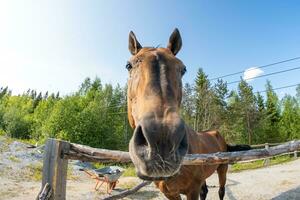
(161, 138)
(190, 178)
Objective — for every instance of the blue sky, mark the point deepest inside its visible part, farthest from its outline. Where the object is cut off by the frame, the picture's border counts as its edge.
(54, 45)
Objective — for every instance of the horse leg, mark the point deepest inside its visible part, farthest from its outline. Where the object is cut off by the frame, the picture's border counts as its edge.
(222, 170)
(193, 195)
(173, 196)
(204, 191)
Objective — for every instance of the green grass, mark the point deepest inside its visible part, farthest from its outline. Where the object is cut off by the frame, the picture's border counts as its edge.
(35, 171)
(260, 163)
(2, 132)
(14, 159)
(130, 171)
(28, 141)
(10, 140)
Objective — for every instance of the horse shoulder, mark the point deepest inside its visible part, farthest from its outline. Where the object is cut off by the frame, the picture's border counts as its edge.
(212, 141)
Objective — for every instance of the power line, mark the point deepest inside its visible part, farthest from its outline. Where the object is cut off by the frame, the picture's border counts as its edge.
(264, 75)
(288, 86)
(263, 66)
(260, 67)
(279, 88)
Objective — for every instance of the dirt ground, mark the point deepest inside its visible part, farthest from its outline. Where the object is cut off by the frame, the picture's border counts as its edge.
(279, 182)
(19, 164)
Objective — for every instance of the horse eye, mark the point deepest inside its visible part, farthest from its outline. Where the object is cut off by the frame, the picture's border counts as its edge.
(183, 71)
(128, 66)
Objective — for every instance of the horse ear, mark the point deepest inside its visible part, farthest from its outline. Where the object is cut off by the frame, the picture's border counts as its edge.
(175, 42)
(134, 46)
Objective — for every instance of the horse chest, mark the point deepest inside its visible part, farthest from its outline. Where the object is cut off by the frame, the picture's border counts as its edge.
(188, 178)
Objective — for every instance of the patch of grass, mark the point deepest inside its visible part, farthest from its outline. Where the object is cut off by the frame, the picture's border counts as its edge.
(129, 171)
(14, 159)
(281, 159)
(127, 185)
(99, 165)
(35, 171)
(3, 144)
(26, 141)
(71, 175)
(260, 163)
(2, 132)
(10, 140)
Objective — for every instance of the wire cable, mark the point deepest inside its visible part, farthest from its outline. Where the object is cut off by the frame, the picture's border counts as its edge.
(279, 88)
(260, 67)
(264, 75)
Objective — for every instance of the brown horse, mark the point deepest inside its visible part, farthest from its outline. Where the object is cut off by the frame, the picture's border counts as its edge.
(161, 138)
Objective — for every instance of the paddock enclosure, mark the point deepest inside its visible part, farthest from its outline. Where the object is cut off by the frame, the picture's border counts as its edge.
(58, 152)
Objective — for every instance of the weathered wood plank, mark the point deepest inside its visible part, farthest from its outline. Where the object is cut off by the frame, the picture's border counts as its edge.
(45, 193)
(231, 157)
(257, 146)
(55, 168)
(88, 158)
(102, 155)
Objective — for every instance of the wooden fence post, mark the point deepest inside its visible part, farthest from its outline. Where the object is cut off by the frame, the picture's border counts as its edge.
(55, 168)
(267, 160)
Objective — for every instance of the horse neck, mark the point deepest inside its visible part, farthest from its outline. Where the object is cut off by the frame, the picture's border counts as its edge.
(193, 138)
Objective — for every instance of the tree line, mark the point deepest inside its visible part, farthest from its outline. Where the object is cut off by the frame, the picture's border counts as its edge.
(242, 115)
(96, 114)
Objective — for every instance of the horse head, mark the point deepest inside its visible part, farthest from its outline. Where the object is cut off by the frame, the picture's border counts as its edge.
(159, 141)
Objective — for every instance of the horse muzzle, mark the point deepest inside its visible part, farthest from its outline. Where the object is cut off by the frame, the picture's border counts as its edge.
(157, 148)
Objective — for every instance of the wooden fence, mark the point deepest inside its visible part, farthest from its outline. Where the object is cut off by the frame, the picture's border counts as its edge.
(58, 152)
(267, 146)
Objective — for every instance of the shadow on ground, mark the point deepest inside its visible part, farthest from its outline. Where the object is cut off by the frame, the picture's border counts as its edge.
(293, 194)
(229, 193)
(145, 195)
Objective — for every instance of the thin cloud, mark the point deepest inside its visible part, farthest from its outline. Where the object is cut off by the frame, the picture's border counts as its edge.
(251, 73)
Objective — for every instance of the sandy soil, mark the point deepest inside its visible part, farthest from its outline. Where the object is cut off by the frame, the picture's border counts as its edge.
(279, 182)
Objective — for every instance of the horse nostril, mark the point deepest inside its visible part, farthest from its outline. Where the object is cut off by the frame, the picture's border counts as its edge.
(140, 139)
(183, 146)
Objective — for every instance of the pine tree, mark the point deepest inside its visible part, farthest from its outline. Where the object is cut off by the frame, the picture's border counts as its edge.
(298, 93)
(233, 134)
(219, 104)
(3, 92)
(260, 102)
(37, 100)
(247, 107)
(46, 95)
(289, 122)
(57, 96)
(188, 105)
(272, 115)
(85, 86)
(203, 99)
(261, 119)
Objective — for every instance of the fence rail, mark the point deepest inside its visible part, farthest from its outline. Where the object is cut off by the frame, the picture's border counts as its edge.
(58, 152)
(257, 146)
